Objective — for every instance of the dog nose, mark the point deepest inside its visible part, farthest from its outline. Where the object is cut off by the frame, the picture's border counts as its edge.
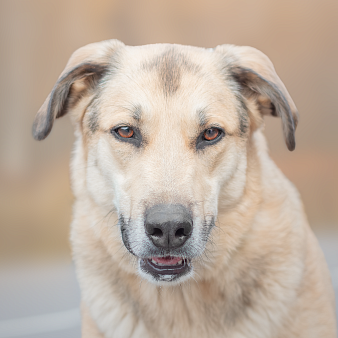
(168, 225)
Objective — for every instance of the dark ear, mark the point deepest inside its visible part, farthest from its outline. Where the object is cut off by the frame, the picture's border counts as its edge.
(258, 80)
(85, 68)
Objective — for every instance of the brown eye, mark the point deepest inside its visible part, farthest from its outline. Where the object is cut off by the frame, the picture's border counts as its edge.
(125, 132)
(211, 133)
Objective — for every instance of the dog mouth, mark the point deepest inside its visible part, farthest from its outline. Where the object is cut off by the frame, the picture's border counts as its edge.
(166, 268)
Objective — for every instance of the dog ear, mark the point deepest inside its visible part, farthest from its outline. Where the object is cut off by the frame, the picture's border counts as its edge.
(84, 69)
(255, 74)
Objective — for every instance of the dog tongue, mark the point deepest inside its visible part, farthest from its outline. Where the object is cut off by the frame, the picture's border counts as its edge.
(167, 260)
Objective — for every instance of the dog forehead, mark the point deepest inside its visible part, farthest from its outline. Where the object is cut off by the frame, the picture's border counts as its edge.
(164, 65)
(168, 77)
(170, 66)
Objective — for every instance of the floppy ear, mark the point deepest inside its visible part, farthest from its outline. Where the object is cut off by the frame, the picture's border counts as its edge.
(84, 69)
(255, 74)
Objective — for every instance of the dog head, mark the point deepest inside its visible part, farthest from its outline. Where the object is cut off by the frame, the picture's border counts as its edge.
(164, 133)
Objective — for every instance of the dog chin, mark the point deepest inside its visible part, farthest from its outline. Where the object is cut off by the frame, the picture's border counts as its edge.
(165, 275)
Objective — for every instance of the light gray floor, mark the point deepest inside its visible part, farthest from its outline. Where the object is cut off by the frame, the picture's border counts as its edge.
(329, 244)
(44, 298)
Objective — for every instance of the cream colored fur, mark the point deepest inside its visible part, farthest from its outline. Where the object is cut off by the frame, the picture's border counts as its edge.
(261, 273)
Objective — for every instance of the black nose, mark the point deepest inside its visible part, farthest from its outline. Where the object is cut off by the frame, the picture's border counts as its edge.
(168, 225)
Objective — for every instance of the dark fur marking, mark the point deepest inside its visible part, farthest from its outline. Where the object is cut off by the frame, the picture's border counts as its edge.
(273, 110)
(92, 113)
(254, 84)
(124, 232)
(202, 117)
(170, 66)
(93, 121)
(243, 123)
(137, 112)
(243, 116)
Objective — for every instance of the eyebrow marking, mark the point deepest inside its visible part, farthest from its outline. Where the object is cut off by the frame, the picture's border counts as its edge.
(203, 120)
(137, 112)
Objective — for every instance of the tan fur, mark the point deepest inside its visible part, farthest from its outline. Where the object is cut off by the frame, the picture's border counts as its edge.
(261, 272)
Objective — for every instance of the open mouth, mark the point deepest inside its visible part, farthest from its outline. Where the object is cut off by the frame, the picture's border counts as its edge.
(166, 268)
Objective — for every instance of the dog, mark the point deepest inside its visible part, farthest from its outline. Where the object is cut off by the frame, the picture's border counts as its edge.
(183, 226)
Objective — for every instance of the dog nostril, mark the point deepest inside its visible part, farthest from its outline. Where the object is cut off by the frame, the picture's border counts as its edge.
(184, 230)
(180, 232)
(157, 232)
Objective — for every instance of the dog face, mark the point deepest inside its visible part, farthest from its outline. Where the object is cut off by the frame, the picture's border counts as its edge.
(164, 133)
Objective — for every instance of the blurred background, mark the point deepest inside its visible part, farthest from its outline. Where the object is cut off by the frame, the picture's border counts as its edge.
(37, 283)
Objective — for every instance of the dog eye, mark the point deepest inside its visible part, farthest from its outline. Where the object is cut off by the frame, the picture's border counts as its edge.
(125, 132)
(209, 137)
(211, 134)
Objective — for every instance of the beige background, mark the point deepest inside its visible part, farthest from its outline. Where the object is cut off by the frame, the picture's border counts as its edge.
(38, 36)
